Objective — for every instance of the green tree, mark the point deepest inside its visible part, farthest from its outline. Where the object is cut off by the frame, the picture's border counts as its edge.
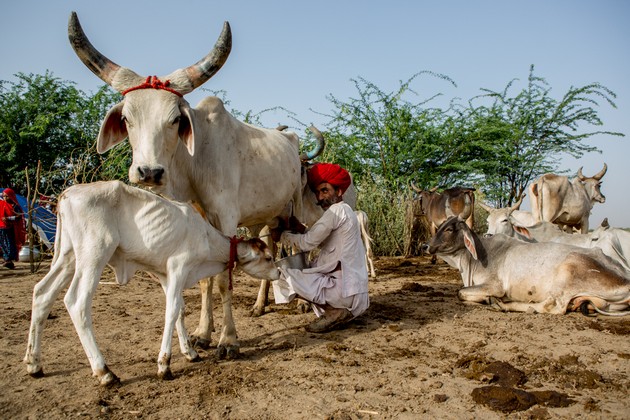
(46, 120)
(384, 137)
(517, 138)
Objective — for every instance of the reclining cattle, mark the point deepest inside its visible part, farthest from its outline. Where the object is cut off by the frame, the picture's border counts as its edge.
(499, 220)
(613, 242)
(129, 229)
(566, 203)
(240, 174)
(437, 207)
(543, 277)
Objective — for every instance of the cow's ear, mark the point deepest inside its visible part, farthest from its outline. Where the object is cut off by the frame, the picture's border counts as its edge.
(523, 231)
(469, 243)
(113, 130)
(187, 127)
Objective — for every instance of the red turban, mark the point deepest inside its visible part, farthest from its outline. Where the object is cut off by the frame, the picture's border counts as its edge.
(331, 173)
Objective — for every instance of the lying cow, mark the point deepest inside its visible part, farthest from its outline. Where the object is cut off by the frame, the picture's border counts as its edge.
(519, 276)
(615, 243)
(110, 223)
(498, 219)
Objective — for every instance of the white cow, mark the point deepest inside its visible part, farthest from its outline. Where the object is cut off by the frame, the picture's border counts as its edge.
(566, 203)
(240, 174)
(129, 229)
(545, 277)
(499, 219)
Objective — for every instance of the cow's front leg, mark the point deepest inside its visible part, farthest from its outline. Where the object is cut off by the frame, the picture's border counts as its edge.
(480, 294)
(228, 347)
(203, 334)
(173, 314)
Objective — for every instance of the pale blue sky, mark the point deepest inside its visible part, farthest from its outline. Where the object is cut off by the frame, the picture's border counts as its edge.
(293, 54)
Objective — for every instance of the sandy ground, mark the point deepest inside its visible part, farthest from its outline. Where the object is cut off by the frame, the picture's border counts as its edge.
(417, 353)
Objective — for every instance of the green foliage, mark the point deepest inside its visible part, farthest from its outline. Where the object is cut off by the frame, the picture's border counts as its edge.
(386, 215)
(515, 139)
(384, 137)
(50, 121)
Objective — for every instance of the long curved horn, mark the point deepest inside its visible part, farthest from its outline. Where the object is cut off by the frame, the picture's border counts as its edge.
(100, 65)
(416, 189)
(601, 173)
(184, 80)
(434, 189)
(204, 69)
(579, 174)
(318, 149)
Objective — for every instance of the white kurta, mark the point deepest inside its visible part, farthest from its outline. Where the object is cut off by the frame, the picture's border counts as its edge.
(338, 277)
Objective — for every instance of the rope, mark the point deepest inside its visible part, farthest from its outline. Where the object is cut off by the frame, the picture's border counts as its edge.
(153, 82)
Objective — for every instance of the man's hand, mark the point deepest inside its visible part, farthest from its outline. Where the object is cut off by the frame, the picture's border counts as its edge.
(277, 231)
(295, 225)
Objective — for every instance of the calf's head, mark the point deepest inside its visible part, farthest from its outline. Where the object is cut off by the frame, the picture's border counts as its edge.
(153, 114)
(255, 258)
(453, 236)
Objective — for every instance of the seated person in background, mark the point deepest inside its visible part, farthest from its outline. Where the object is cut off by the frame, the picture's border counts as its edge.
(337, 281)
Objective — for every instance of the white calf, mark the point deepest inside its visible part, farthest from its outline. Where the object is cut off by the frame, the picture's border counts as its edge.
(110, 223)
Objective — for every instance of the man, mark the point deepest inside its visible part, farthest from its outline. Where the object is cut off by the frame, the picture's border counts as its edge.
(337, 282)
(12, 231)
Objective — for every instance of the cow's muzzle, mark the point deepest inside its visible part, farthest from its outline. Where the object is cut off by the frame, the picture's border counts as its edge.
(150, 176)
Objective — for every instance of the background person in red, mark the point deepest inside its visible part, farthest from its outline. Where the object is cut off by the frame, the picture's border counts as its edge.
(12, 231)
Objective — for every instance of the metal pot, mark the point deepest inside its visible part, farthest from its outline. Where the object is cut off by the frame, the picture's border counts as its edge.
(25, 254)
(299, 261)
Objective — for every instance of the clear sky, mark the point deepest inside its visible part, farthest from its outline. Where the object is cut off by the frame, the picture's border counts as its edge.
(294, 54)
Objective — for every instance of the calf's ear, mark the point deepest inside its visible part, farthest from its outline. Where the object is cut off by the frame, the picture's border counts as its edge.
(469, 243)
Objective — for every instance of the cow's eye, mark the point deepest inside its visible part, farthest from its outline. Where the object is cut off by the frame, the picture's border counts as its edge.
(176, 120)
(124, 121)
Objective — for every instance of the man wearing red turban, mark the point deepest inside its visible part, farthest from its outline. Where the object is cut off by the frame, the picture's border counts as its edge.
(337, 281)
(12, 231)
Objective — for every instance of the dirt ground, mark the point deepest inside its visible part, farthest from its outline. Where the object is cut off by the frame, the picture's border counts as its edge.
(416, 353)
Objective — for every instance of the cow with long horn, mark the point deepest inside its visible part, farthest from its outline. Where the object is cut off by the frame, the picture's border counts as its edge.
(566, 203)
(242, 175)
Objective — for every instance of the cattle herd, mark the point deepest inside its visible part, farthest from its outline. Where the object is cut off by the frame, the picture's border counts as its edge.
(240, 175)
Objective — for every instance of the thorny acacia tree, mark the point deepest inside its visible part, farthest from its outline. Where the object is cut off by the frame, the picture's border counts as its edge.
(517, 138)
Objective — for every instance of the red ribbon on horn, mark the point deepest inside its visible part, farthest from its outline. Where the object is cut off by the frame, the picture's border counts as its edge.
(153, 82)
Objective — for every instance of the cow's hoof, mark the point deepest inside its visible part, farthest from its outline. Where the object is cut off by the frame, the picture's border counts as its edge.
(109, 380)
(200, 343)
(228, 352)
(256, 312)
(37, 374)
(195, 359)
(167, 375)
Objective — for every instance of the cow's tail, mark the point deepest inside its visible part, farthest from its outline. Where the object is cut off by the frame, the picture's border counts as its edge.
(536, 194)
(601, 311)
(58, 229)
